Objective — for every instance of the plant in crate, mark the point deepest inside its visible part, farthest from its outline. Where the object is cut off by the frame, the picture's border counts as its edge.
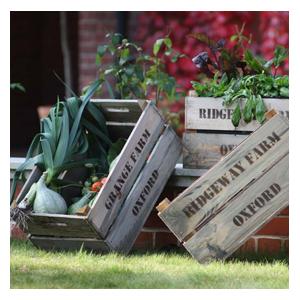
(239, 76)
(74, 135)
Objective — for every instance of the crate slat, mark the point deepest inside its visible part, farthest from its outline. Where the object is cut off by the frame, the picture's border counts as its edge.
(120, 110)
(243, 217)
(60, 226)
(122, 177)
(145, 192)
(226, 178)
(209, 114)
(59, 244)
(203, 150)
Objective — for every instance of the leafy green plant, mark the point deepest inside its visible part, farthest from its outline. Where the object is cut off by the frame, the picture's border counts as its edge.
(239, 76)
(73, 135)
(134, 74)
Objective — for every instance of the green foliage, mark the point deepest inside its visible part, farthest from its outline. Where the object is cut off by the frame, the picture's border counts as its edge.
(115, 149)
(17, 86)
(73, 129)
(239, 76)
(134, 74)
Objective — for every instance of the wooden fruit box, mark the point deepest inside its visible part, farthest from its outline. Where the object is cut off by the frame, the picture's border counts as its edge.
(132, 188)
(236, 197)
(209, 132)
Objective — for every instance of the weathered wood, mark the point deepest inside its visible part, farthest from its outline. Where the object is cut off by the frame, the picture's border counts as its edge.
(183, 177)
(70, 244)
(163, 205)
(120, 110)
(236, 170)
(83, 211)
(243, 217)
(270, 114)
(145, 192)
(152, 149)
(209, 114)
(60, 226)
(203, 150)
(122, 177)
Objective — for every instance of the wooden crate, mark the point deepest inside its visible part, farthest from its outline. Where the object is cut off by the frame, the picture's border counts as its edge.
(209, 132)
(236, 197)
(132, 188)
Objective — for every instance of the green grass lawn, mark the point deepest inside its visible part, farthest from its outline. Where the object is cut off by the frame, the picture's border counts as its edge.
(33, 268)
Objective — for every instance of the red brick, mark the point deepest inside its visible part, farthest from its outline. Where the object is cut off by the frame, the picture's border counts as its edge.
(154, 221)
(144, 241)
(247, 247)
(269, 245)
(277, 226)
(284, 212)
(17, 233)
(165, 239)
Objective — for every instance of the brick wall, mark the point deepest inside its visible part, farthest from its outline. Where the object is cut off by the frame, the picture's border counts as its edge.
(92, 28)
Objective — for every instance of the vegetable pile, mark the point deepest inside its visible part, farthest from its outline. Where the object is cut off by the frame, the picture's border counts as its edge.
(239, 76)
(73, 136)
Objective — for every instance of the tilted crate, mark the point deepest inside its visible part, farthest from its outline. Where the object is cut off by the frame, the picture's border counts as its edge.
(210, 133)
(132, 188)
(236, 197)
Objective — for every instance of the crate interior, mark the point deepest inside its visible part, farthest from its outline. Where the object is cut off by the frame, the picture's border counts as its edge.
(121, 118)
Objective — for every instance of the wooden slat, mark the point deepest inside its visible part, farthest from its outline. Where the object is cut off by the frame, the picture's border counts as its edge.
(132, 159)
(197, 114)
(227, 231)
(121, 110)
(70, 244)
(145, 192)
(178, 217)
(203, 150)
(60, 226)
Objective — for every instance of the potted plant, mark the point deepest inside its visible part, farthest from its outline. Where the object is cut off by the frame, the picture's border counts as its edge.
(241, 78)
(235, 89)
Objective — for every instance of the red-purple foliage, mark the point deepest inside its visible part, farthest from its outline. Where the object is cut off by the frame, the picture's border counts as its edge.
(268, 30)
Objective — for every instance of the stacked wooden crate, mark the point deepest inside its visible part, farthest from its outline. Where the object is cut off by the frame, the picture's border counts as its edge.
(209, 132)
(132, 188)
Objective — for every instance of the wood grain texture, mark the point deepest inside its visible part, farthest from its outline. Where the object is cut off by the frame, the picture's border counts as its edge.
(70, 244)
(220, 237)
(60, 226)
(145, 192)
(197, 114)
(110, 198)
(121, 110)
(203, 150)
(175, 216)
